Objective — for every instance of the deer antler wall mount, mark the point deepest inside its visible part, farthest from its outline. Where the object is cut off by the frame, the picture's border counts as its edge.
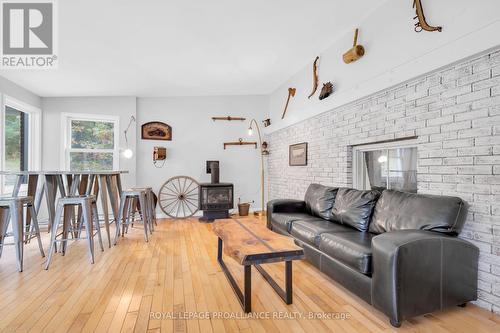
(291, 93)
(422, 23)
(315, 77)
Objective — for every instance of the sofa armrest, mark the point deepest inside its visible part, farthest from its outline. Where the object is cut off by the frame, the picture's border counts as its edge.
(417, 272)
(284, 206)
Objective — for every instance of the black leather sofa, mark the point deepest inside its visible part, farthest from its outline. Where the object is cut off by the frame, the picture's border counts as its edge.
(398, 251)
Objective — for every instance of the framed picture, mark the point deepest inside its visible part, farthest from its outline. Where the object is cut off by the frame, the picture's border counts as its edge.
(297, 154)
(155, 130)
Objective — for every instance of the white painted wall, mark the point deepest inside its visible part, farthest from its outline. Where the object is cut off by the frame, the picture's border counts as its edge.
(394, 53)
(13, 90)
(196, 139)
(124, 107)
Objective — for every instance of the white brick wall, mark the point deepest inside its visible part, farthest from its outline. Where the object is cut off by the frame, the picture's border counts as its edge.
(455, 112)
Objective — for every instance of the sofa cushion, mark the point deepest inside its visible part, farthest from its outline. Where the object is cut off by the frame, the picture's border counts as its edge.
(319, 200)
(285, 220)
(397, 210)
(351, 248)
(354, 207)
(309, 231)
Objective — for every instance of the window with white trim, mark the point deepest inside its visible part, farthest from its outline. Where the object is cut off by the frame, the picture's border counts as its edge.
(382, 166)
(91, 142)
(19, 141)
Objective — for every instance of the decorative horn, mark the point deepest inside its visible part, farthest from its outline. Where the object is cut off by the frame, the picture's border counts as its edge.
(422, 23)
(315, 77)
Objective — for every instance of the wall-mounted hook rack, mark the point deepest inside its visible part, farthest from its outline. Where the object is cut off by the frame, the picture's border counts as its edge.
(228, 118)
(240, 142)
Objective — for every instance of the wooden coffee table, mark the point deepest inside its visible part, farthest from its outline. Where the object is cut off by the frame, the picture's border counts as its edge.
(250, 243)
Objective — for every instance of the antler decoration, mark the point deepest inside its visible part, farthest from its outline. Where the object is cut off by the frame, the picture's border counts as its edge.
(422, 23)
(291, 93)
(315, 77)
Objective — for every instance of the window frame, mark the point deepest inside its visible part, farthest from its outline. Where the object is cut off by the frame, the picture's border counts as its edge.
(358, 174)
(34, 138)
(66, 150)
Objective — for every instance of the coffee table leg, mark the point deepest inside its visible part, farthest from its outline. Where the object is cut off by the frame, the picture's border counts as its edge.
(286, 295)
(245, 297)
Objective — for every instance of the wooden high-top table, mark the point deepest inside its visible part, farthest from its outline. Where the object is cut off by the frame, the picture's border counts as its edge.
(250, 243)
(106, 184)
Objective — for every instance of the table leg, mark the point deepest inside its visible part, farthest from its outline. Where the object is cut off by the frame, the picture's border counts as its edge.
(74, 185)
(245, 297)
(50, 198)
(38, 196)
(60, 185)
(32, 190)
(104, 204)
(82, 190)
(286, 295)
(114, 196)
(17, 185)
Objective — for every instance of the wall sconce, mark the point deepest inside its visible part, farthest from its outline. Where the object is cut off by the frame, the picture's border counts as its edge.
(127, 152)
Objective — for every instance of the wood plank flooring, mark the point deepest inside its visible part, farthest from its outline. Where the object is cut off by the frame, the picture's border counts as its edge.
(138, 286)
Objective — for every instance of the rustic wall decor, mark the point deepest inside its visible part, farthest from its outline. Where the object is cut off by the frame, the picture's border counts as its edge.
(240, 142)
(297, 154)
(291, 93)
(264, 147)
(156, 130)
(422, 23)
(266, 122)
(228, 118)
(356, 52)
(326, 91)
(315, 77)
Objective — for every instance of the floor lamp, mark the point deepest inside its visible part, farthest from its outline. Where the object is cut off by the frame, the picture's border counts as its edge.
(263, 152)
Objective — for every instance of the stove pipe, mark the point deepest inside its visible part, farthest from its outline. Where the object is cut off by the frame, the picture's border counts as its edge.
(214, 172)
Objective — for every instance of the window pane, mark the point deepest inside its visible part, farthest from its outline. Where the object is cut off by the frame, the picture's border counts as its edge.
(16, 143)
(403, 169)
(390, 168)
(80, 161)
(91, 134)
(376, 169)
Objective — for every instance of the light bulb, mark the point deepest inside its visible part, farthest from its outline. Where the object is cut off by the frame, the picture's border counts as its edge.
(128, 153)
(382, 159)
(250, 131)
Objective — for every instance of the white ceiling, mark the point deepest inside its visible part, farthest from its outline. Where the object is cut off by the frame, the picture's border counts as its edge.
(187, 48)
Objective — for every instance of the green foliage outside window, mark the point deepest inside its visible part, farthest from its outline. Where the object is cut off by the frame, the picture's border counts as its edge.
(12, 139)
(92, 134)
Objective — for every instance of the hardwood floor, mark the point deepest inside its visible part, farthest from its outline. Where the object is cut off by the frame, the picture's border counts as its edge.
(133, 283)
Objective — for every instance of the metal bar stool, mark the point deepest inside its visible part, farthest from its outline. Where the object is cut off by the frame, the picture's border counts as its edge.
(150, 207)
(90, 219)
(127, 199)
(15, 207)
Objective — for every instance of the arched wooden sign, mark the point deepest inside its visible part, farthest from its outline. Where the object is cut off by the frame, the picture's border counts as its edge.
(156, 130)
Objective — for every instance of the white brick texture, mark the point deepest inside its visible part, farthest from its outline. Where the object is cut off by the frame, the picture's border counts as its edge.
(455, 112)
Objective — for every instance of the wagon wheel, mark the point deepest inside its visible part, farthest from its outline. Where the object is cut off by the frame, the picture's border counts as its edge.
(178, 197)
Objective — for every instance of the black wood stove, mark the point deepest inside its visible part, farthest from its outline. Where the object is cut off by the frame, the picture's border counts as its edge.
(215, 199)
